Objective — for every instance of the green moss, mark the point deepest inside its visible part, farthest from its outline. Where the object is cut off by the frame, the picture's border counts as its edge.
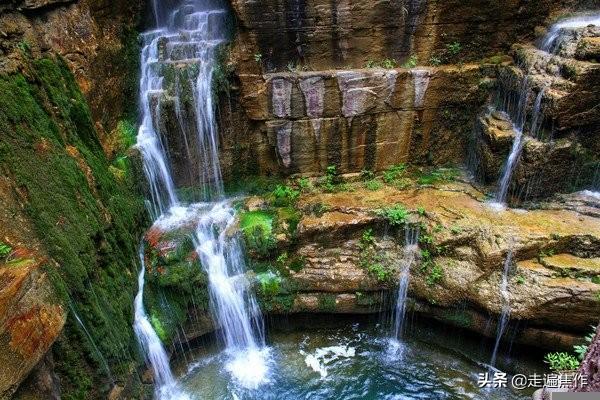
(327, 302)
(257, 228)
(460, 318)
(90, 222)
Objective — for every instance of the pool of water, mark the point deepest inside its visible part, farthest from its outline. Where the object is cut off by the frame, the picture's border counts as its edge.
(351, 361)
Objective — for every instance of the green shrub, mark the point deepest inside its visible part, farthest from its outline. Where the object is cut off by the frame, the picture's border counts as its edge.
(284, 196)
(269, 283)
(582, 349)
(395, 215)
(411, 62)
(435, 61)
(257, 228)
(367, 175)
(380, 271)
(327, 302)
(440, 175)
(394, 172)
(454, 48)
(305, 184)
(561, 361)
(435, 275)
(5, 250)
(373, 185)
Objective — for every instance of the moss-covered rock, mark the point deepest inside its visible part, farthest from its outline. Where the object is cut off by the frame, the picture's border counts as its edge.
(88, 221)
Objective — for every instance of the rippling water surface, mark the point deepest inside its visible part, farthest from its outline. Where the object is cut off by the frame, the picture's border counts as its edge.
(354, 361)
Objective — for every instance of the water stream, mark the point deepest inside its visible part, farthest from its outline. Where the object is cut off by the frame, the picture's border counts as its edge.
(505, 314)
(178, 60)
(411, 249)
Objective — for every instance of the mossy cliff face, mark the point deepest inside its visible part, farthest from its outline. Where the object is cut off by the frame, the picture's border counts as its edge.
(98, 41)
(80, 219)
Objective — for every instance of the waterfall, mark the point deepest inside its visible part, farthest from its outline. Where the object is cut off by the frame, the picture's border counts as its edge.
(234, 307)
(178, 61)
(505, 315)
(552, 40)
(165, 385)
(519, 118)
(411, 249)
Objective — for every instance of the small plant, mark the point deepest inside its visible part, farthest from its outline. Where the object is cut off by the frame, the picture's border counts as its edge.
(435, 61)
(455, 229)
(411, 62)
(389, 63)
(454, 48)
(395, 215)
(544, 254)
(269, 283)
(5, 250)
(283, 196)
(561, 361)
(305, 184)
(331, 178)
(582, 349)
(421, 211)
(373, 185)
(298, 263)
(367, 175)
(282, 259)
(371, 64)
(380, 271)
(394, 172)
(435, 275)
(367, 239)
(426, 239)
(258, 57)
(327, 302)
(520, 280)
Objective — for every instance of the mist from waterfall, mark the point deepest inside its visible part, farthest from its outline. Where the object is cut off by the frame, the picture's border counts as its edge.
(178, 61)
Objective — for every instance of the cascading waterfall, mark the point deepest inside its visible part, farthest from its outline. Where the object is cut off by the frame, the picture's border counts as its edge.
(518, 115)
(505, 315)
(233, 305)
(188, 41)
(411, 249)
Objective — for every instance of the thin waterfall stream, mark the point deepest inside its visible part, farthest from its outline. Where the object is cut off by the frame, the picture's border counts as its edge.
(505, 314)
(411, 249)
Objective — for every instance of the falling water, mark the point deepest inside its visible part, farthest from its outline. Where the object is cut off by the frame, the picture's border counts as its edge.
(552, 40)
(232, 304)
(518, 115)
(164, 383)
(92, 342)
(178, 61)
(411, 249)
(505, 315)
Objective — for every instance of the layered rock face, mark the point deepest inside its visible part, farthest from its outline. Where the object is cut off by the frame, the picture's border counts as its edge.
(338, 253)
(361, 119)
(348, 34)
